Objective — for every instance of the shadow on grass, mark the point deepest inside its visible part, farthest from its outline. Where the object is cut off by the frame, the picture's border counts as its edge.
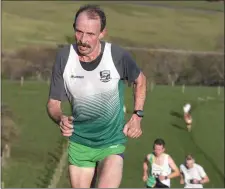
(176, 114)
(179, 116)
(178, 126)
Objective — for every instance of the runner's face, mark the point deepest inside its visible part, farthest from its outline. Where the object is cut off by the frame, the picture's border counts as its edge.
(158, 149)
(87, 33)
(189, 163)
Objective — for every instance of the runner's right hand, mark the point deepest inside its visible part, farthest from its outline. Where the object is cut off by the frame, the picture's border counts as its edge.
(145, 178)
(66, 125)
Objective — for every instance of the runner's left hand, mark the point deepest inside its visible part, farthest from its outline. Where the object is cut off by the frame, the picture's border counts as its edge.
(133, 127)
(161, 177)
(195, 181)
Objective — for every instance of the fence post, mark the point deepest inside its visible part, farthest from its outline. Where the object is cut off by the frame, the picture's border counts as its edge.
(48, 81)
(152, 85)
(22, 81)
(172, 83)
(183, 88)
(218, 90)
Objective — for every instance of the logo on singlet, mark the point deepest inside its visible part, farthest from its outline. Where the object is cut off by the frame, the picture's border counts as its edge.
(77, 76)
(105, 76)
(114, 146)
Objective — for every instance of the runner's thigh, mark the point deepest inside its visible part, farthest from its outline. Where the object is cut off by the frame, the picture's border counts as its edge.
(81, 177)
(110, 172)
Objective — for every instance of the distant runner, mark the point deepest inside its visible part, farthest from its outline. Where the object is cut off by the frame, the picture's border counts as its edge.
(187, 116)
(159, 167)
(192, 174)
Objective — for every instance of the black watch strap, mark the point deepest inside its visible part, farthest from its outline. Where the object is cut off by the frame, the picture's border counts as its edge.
(139, 113)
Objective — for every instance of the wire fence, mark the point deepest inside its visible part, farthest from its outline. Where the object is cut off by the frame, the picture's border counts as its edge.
(180, 51)
(163, 66)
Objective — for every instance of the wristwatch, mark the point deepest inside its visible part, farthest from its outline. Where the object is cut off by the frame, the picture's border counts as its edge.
(139, 113)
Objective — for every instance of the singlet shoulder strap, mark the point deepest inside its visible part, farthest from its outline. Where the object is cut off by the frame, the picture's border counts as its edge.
(166, 158)
(152, 158)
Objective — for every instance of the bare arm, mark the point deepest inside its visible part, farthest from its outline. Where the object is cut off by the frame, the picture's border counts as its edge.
(204, 180)
(202, 174)
(54, 110)
(139, 92)
(173, 166)
(145, 168)
(181, 178)
(133, 127)
(145, 165)
(129, 70)
(57, 92)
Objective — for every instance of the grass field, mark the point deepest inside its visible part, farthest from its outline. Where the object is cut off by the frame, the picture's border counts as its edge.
(166, 24)
(205, 142)
(47, 23)
(39, 135)
(187, 4)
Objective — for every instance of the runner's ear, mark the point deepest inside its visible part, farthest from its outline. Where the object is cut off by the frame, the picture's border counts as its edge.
(103, 34)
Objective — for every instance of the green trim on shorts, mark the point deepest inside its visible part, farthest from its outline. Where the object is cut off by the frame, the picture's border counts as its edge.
(83, 156)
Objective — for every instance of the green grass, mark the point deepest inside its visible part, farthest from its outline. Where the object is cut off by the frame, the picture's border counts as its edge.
(205, 142)
(39, 135)
(47, 23)
(188, 4)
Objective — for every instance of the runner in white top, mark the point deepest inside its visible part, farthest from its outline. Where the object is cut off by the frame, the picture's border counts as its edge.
(187, 116)
(159, 167)
(192, 174)
(90, 74)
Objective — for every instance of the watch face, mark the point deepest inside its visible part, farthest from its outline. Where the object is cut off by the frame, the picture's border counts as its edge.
(140, 113)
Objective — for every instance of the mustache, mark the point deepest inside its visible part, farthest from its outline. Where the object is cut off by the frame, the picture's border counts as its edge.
(79, 43)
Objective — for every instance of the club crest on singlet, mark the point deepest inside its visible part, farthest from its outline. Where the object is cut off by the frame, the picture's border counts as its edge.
(105, 76)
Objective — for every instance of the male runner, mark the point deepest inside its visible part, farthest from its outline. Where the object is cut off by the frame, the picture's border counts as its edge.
(187, 116)
(90, 74)
(192, 174)
(159, 167)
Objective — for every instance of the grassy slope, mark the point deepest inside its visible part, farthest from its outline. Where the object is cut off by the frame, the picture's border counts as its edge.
(47, 23)
(206, 142)
(38, 135)
(189, 4)
(160, 123)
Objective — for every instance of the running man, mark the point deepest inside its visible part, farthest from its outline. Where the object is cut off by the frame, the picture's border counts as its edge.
(192, 174)
(91, 74)
(187, 116)
(159, 167)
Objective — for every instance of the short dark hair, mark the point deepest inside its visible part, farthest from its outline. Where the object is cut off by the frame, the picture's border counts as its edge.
(189, 157)
(93, 12)
(160, 142)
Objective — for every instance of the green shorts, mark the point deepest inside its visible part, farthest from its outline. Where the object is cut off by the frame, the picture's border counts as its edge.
(83, 156)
